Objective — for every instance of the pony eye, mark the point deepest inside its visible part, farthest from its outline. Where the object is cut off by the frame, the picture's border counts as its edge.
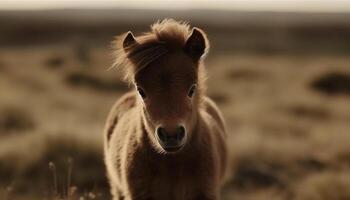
(142, 93)
(192, 90)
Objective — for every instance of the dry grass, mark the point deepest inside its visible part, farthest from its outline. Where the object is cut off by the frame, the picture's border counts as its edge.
(287, 139)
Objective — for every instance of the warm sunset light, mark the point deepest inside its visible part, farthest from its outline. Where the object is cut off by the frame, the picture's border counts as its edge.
(267, 5)
(174, 99)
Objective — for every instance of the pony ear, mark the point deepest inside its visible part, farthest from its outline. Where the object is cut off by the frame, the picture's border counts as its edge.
(196, 44)
(129, 40)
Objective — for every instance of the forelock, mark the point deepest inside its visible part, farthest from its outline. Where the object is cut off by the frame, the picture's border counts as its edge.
(165, 35)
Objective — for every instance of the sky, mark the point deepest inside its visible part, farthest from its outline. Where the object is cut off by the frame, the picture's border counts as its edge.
(253, 5)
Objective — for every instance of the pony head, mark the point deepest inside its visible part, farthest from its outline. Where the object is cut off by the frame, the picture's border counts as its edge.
(164, 66)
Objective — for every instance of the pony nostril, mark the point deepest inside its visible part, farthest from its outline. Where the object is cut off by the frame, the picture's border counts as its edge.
(180, 132)
(161, 133)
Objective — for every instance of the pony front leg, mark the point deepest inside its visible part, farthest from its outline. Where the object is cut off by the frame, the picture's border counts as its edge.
(136, 194)
(137, 198)
(117, 194)
(120, 197)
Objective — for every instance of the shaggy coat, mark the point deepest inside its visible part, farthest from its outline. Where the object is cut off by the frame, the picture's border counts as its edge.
(166, 68)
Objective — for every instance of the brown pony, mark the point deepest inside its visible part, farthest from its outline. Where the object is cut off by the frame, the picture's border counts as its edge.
(165, 140)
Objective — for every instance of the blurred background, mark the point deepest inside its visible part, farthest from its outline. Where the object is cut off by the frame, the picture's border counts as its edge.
(279, 71)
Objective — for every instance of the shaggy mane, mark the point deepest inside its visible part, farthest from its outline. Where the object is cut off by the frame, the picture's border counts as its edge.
(165, 36)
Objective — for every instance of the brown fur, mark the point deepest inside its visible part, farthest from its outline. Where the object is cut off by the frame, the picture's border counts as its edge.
(165, 64)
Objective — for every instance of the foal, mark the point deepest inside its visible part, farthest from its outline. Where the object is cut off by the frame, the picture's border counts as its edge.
(165, 140)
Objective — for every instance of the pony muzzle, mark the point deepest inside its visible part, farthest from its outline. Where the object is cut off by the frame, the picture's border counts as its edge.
(171, 141)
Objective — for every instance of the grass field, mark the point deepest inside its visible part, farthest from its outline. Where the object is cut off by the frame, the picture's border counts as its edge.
(284, 89)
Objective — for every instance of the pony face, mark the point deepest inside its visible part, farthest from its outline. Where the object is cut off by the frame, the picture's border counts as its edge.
(168, 93)
(164, 67)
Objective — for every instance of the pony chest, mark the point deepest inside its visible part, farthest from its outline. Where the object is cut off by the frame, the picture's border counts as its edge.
(167, 178)
(173, 189)
(174, 182)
